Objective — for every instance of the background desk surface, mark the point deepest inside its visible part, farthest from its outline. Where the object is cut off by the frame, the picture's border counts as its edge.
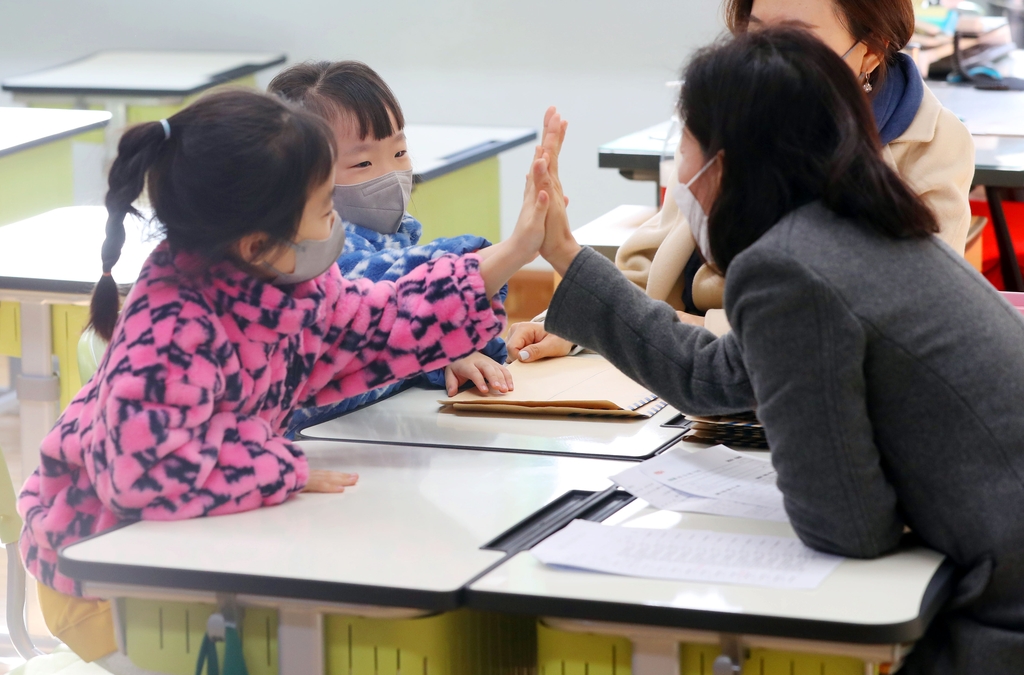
(59, 251)
(999, 160)
(438, 149)
(142, 73)
(641, 150)
(24, 128)
(986, 113)
(885, 601)
(409, 535)
(414, 417)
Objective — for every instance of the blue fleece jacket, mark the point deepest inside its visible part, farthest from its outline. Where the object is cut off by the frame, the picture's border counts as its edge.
(387, 257)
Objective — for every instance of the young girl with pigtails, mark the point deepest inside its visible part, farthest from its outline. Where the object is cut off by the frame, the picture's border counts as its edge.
(238, 317)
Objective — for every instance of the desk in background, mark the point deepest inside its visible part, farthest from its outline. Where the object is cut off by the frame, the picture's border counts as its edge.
(457, 187)
(420, 526)
(137, 86)
(48, 267)
(36, 172)
(415, 418)
(995, 120)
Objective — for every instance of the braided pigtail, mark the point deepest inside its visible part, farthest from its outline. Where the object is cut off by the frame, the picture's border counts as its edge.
(136, 153)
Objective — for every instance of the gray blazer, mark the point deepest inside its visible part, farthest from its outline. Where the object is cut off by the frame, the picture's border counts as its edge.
(889, 376)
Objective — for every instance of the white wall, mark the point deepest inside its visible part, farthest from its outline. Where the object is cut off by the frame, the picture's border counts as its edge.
(603, 62)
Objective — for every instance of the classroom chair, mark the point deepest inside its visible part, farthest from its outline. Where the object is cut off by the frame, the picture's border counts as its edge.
(10, 532)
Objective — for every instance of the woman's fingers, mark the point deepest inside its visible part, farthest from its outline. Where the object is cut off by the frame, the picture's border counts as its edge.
(551, 346)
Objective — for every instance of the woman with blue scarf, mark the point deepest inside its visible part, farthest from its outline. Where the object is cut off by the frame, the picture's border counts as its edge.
(927, 146)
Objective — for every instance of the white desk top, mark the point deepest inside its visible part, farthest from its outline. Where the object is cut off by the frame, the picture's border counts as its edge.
(143, 73)
(59, 251)
(986, 113)
(999, 161)
(415, 418)
(409, 535)
(440, 149)
(878, 601)
(640, 150)
(24, 128)
(611, 230)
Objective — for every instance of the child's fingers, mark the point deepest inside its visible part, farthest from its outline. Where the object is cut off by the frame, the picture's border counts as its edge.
(479, 379)
(451, 381)
(493, 372)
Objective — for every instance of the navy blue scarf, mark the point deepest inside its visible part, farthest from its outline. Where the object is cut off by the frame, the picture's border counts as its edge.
(897, 101)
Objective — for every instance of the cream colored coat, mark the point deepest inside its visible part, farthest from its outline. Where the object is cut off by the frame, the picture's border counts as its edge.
(935, 156)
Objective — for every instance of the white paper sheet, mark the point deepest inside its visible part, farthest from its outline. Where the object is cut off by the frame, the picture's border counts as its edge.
(716, 473)
(688, 555)
(661, 496)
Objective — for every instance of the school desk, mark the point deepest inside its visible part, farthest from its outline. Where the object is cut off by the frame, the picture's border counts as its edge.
(137, 86)
(36, 172)
(994, 119)
(871, 610)
(457, 186)
(414, 417)
(48, 266)
(421, 524)
(607, 233)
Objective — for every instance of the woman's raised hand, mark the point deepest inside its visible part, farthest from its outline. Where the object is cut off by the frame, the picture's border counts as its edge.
(559, 247)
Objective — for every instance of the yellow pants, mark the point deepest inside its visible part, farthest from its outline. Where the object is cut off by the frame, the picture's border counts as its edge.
(86, 626)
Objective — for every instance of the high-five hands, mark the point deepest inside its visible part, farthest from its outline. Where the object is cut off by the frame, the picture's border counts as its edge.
(559, 247)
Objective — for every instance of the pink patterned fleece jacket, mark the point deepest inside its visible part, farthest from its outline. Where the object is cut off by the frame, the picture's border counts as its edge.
(184, 416)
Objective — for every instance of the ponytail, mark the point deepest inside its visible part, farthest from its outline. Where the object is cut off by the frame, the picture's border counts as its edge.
(136, 153)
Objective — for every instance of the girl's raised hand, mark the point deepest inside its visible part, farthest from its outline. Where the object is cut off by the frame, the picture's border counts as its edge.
(329, 481)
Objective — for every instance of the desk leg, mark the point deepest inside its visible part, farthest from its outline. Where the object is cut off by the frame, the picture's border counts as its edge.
(655, 655)
(1008, 264)
(38, 387)
(300, 641)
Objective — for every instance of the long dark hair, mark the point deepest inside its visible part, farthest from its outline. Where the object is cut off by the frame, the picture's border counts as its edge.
(794, 127)
(234, 163)
(329, 89)
(885, 26)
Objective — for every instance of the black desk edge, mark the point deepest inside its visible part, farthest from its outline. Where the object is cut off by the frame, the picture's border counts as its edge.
(616, 160)
(938, 591)
(216, 79)
(70, 133)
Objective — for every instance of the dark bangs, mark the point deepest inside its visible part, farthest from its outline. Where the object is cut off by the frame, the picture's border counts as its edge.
(333, 89)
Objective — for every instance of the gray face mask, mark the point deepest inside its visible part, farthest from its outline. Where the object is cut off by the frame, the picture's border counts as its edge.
(313, 257)
(376, 204)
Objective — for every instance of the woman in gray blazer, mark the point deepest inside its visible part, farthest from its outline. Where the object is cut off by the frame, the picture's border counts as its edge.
(888, 374)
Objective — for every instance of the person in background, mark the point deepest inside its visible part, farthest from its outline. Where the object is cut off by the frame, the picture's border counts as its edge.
(925, 144)
(238, 317)
(373, 176)
(887, 372)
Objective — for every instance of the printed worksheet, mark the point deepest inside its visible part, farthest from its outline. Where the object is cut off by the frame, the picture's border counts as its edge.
(688, 555)
(661, 496)
(716, 473)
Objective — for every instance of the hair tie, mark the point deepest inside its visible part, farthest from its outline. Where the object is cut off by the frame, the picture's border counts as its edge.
(108, 274)
(167, 129)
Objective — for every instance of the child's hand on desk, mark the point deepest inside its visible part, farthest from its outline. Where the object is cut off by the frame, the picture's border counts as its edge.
(479, 369)
(329, 481)
(529, 341)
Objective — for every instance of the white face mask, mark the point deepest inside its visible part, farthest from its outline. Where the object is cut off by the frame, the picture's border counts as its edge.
(313, 257)
(377, 204)
(694, 212)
